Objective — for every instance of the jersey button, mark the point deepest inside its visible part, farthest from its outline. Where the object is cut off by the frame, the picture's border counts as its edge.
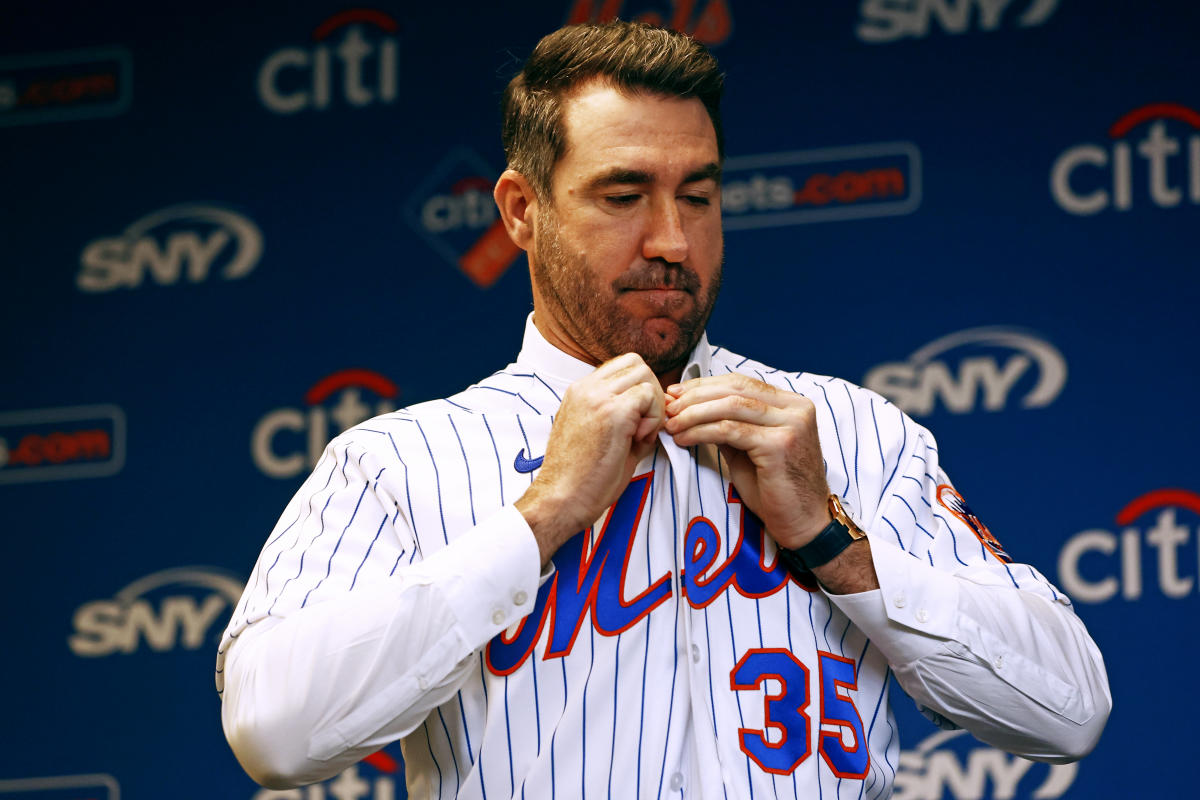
(695, 655)
(497, 617)
(520, 597)
(676, 782)
(922, 615)
(899, 600)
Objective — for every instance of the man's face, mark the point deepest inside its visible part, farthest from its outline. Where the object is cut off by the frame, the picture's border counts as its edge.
(627, 255)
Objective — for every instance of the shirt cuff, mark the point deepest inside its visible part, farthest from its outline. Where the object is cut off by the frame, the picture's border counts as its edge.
(912, 613)
(489, 577)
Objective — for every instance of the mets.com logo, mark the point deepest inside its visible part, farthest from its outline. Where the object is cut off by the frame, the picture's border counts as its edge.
(51, 444)
(976, 368)
(1090, 178)
(189, 243)
(64, 86)
(61, 787)
(184, 607)
(1159, 534)
(804, 186)
(951, 764)
(376, 777)
(288, 441)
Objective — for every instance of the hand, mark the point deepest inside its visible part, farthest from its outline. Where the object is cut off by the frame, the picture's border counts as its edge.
(606, 424)
(769, 439)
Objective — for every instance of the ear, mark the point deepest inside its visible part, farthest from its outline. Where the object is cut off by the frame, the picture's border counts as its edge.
(518, 206)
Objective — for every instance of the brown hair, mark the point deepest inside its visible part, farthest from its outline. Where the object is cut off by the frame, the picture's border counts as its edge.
(629, 55)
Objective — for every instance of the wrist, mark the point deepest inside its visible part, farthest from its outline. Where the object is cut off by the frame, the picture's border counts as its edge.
(547, 519)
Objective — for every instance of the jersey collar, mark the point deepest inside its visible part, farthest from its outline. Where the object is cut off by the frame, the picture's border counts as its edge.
(561, 370)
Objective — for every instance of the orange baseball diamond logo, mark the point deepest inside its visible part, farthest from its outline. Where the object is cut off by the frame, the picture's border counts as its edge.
(708, 22)
(454, 213)
(953, 502)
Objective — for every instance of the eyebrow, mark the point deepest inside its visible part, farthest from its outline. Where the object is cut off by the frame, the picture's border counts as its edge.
(620, 175)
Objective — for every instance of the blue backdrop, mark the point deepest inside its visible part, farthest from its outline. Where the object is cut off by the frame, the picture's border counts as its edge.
(230, 232)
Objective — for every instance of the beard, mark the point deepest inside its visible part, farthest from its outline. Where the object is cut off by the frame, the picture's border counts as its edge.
(601, 325)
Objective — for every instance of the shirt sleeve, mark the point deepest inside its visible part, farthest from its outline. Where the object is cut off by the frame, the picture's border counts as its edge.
(978, 641)
(347, 634)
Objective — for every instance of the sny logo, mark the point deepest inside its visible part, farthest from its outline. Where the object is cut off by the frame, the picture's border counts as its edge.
(891, 20)
(454, 213)
(168, 608)
(942, 766)
(1082, 177)
(1115, 561)
(48, 444)
(711, 24)
(297, 79)
(288, 440)
(837, 183)
(175, 244)
(968, 366)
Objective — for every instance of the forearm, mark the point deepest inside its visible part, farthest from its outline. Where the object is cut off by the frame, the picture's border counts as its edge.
(315, 691)
(1018, 671)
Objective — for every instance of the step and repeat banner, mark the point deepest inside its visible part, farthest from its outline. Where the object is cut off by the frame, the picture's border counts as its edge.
(230, 231)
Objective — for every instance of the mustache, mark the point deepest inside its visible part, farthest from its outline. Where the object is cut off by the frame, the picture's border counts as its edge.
(658, 275)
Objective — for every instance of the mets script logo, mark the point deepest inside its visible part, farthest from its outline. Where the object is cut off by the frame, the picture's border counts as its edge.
(891, 20)
(168, 609)
(48, 444)
(588, 582)
(838, 183)
(1156, 529)
(53, 87)
(707, 21)
(386, 769)
(1090, 178)
(287, 441)
(950, 764)
(358, 69)
(971, 368)
(184, 243)
(454, 213)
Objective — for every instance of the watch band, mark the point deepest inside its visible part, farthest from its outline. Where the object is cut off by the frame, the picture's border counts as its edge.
(835, 537)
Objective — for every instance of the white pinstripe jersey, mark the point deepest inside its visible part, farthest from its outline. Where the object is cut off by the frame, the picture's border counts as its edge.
(669, 654)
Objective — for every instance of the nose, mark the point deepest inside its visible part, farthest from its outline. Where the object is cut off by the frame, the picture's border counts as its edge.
(664, 237)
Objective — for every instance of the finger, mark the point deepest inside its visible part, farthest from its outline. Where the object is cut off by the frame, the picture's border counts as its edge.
(620, 373)
(701, 390)
(731, 407)
(743, 436)
(648, 403)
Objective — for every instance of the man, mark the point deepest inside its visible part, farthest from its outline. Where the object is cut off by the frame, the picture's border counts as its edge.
(630, 563)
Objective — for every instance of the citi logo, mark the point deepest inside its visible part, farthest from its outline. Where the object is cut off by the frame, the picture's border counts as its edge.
(289, 441)
(48, 444)
(1089, 178)
(711, 23)
(941, 767)
(453, 211)
(1096, 565)
(162, 611)
(179, 244)
(837, 183)
(978, 367)
(377, 783)
(295, 79)
(883, 21)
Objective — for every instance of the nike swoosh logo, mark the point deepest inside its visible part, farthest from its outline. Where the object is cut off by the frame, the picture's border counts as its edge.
(523, 464)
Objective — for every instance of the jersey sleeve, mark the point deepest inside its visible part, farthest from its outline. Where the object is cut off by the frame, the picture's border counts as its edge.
(978, 641)
(353, 627)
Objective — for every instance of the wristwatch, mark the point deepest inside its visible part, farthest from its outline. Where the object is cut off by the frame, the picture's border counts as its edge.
(835, 537)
